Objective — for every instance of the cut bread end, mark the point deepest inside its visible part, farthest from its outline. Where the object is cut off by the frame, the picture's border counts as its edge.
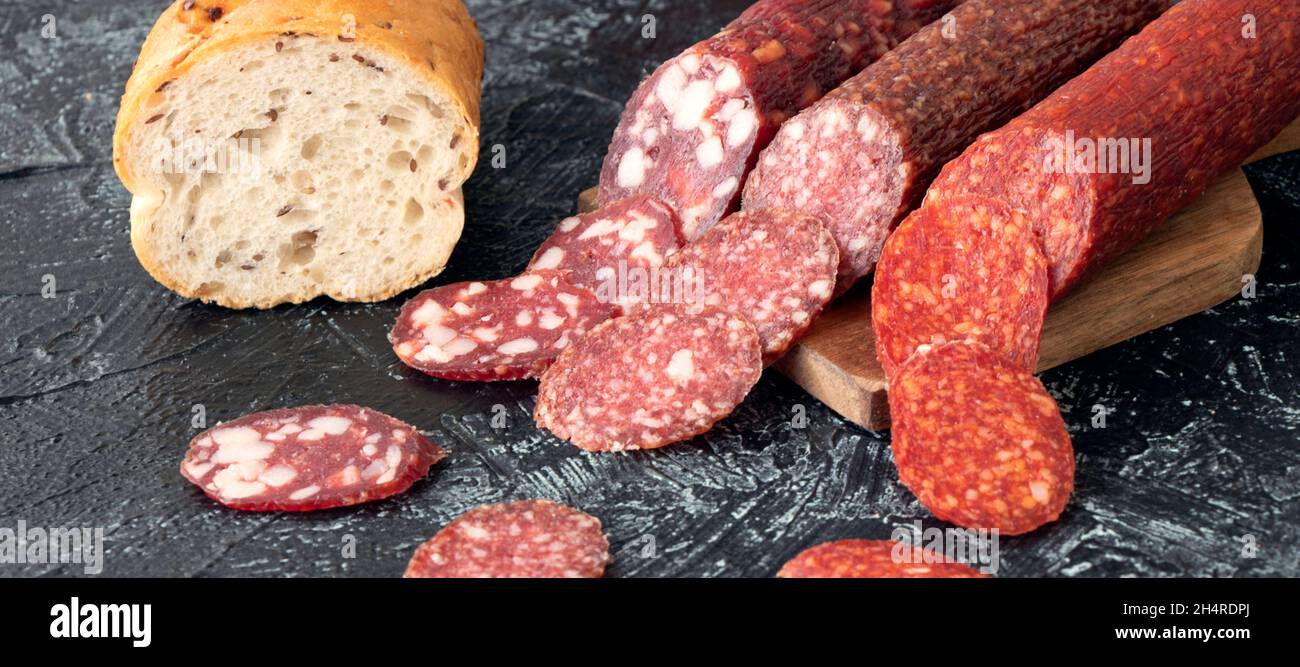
(294, 167)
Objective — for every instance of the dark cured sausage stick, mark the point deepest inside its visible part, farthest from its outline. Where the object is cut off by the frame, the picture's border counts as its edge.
(691, 132)
(862, 157)
(1195, 86)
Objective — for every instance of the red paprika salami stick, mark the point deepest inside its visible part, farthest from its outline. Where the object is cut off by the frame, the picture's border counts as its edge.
(691, 132)
(1113, 153)
(861, 158)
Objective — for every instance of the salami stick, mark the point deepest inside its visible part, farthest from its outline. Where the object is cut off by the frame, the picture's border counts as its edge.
(1112, 154)
(691, 132)
(861, 158)
(1191, 96)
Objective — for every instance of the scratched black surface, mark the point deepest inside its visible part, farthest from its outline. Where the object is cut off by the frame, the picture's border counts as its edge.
(98, 384)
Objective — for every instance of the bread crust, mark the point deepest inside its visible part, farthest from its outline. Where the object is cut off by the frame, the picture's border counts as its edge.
(437, 38)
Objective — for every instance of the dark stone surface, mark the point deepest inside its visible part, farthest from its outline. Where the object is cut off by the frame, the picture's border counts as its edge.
(97, 384)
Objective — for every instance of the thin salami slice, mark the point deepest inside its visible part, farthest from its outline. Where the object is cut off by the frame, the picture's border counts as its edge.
(308, 458)
(658, 376)
(861, 158)
(691, 132)
(872, 559)
(979, 440)
(966, 269)
(596, 249)
(1113, 153)
(774, 268)
(536, 539)
(499, 330)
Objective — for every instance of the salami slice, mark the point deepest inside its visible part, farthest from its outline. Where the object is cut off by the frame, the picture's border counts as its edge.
(861, 158)
(872, 559)
(308, 458)
(1112, 154)
(603, 249)
(536, 539)
(691, 132)
(968, 269)
(979, 440)
(499, 330)
(658, 376)
(773, 268)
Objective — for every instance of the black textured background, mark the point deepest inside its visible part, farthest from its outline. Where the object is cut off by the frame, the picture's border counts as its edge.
(97, 384)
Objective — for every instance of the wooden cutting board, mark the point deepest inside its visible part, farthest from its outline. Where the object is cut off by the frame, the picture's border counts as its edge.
(1196, 260)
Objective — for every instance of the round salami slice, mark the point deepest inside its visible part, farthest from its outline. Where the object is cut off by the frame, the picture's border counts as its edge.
(693, 130)
(964, 269)
(979, 440)
(658, 376)
(614, 247)
(308, 458)
(526, 539)
(774, 268)
(873, 559)
(499, 330)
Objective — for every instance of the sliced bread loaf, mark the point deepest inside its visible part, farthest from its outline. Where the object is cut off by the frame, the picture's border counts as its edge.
(280, 150)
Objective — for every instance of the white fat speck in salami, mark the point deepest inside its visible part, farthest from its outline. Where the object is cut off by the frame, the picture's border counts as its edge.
(637, 234)
(663, 374)
(308, 458)
(775, 268)
(536, 539)
(500, 330)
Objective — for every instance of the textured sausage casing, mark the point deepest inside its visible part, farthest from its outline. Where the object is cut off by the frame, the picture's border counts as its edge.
(974, 273)
(872, 559)
(861, 158)
(691, 132)
(1204, 87)
(979, 440)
